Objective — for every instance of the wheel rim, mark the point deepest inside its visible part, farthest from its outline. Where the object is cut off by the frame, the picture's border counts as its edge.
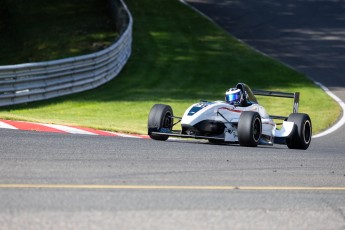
(307, 132)
(167, 121)
(256, 129)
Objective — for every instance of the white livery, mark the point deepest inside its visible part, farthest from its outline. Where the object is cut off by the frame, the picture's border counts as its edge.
(239, 119)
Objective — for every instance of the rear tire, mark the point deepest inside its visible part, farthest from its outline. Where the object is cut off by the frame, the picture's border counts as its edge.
(160, 119)
(300, 137)
(249, 129)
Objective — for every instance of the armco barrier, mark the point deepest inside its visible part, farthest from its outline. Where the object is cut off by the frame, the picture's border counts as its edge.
(43, 80)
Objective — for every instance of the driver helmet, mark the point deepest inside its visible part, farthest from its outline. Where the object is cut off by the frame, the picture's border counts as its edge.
(233, 96)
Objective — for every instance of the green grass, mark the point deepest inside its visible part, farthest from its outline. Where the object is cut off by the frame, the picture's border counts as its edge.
(41, 30)
(178, 58)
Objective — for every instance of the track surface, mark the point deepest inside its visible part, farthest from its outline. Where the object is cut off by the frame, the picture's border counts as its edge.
(279, 197)
(228, 187)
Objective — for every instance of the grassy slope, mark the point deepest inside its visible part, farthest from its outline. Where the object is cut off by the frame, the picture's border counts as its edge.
(178, 58)
(40, 30)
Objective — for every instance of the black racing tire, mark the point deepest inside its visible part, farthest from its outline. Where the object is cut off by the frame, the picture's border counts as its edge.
(249, 129)
(300, 137)
(160, 117)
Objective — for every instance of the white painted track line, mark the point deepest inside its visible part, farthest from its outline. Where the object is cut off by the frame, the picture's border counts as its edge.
(69, 129)
(123, 134)
(341, 122)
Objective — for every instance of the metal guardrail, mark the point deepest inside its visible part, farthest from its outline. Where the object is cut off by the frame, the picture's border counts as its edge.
(43, 80)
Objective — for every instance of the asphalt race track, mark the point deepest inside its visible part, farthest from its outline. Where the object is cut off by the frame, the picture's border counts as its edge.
(60, 181)
(65, 181)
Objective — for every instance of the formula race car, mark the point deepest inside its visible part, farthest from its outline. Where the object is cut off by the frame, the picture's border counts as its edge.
(238, 119)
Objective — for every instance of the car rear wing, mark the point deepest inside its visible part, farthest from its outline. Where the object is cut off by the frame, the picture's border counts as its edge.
(294, 95)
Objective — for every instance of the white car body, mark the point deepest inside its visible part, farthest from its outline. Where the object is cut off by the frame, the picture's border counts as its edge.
(229, 115)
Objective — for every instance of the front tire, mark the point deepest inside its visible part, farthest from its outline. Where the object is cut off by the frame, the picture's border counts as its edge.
(300, 137)
(249, 129)
(160, 119)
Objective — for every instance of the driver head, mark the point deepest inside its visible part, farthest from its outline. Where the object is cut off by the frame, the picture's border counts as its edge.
(233, 96)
